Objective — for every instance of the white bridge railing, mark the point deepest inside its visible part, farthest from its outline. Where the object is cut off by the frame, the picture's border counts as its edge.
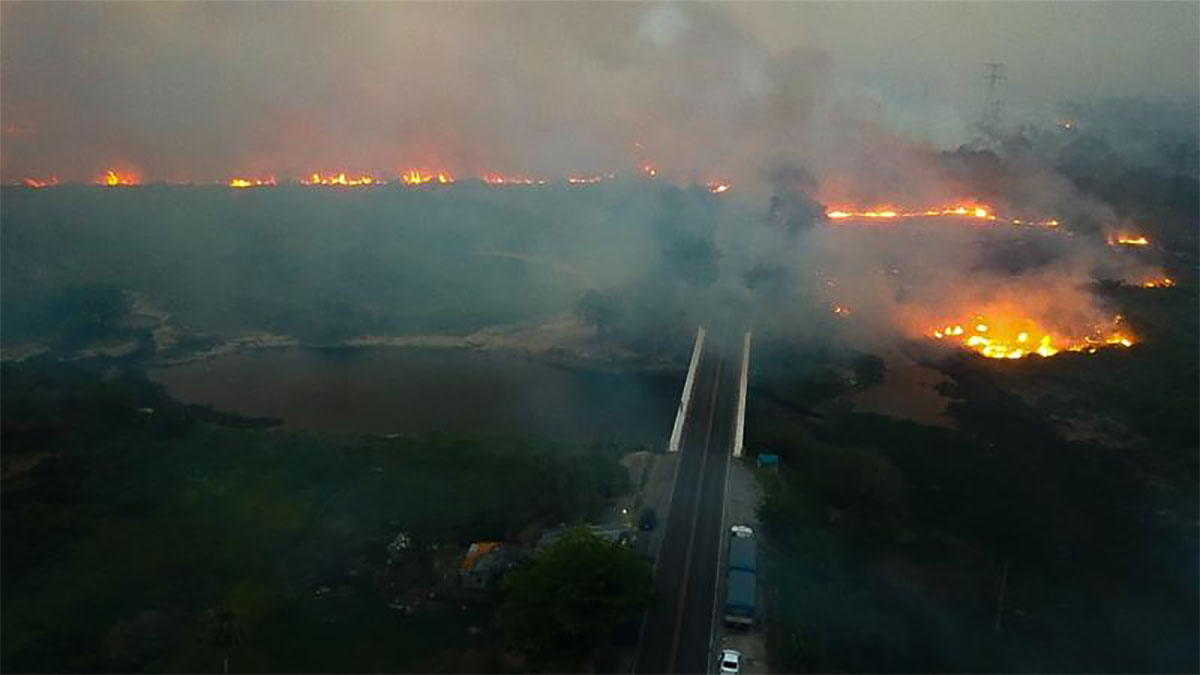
(739, 429)
(686, 399)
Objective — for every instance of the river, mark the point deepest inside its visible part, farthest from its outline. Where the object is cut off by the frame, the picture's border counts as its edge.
(380, 390)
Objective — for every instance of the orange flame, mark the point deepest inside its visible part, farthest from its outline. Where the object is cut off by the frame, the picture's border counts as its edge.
(1128, 240)
(974, 211)
(999, 335)
(649, 170)
(590, 180)
(36, 183)
(718, 188)
(1165, 282)
(252, 182)
(341, 180)
(419, 177)
(501, 179)
(113, 178)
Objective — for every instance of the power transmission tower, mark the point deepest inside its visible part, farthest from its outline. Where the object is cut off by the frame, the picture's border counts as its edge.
(994, 105)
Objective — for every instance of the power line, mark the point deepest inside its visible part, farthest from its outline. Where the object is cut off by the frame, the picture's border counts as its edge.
(994, 104)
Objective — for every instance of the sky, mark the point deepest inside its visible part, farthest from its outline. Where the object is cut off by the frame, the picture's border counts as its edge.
(205, 91)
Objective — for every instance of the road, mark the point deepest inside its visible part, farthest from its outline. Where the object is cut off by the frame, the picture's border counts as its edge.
(678, 628)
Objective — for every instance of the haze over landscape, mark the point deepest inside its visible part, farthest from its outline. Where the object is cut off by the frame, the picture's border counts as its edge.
(407, 337)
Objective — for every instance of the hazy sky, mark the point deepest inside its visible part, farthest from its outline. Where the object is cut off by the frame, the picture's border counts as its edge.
(203, 91)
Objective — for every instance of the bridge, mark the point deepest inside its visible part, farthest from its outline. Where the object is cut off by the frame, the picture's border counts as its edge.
(677, 631)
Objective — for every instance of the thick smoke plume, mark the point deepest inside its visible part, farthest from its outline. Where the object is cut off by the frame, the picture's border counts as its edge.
(574, 89)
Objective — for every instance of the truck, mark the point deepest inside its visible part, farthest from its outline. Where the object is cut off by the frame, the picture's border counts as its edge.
(742, 554)
(741, 583)
(740, 592)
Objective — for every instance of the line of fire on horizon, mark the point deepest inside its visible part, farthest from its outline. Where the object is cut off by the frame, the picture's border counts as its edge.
(413, 177)
(979, 212)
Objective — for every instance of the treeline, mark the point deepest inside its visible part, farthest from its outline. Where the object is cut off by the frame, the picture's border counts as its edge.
(1000, 546)
(140, 534)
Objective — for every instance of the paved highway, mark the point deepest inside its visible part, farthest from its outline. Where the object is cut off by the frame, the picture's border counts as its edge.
(677, 629)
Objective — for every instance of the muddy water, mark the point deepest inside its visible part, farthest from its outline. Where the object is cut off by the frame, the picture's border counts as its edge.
(422, 390)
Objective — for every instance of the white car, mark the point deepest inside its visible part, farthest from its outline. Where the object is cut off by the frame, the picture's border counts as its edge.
(731, 661)
(741, 531)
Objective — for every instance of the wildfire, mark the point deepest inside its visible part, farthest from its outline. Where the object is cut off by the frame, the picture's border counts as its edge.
(590, 180)
(341, 180)
(1128, 240)
(975, 211)
(36, 183)
(1002, 336)
(1165, 282)
(718, 188)
(252, 182)
(114, 178)
(649, 170)
(500, 179)
(841, 310)
(418, 177)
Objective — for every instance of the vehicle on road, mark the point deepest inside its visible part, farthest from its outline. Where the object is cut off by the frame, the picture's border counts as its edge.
(740, 590)
(731, 661)
(741, 531)
(742, 555)
(741, 584)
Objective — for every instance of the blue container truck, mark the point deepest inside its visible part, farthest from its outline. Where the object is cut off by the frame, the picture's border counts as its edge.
(741, 582)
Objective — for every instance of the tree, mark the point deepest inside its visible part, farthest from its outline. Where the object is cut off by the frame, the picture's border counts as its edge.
(572, 594)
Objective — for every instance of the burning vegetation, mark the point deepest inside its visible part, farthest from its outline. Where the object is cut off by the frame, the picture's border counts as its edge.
(114, 178)
(1003, 335)
(36, 183)
(252, 182)
(340, 180)
(972, 211)
(1123, 239)
(419, 177)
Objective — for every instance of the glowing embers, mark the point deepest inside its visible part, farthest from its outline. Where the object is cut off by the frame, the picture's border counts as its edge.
(37, 183)
(718, 188)
(649, 170)
(1124, 239)
(590, 180)
(1164, 282)
(114, 178)
(269, 181)
(502, 179)
(420, 177)
(1009, 336)
(341, 180)
(972, 211)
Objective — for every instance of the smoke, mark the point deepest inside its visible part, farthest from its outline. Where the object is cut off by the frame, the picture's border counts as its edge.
(199, 93)
(205, 91)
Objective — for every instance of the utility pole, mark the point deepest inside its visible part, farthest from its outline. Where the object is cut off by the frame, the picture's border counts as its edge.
(994, 105)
